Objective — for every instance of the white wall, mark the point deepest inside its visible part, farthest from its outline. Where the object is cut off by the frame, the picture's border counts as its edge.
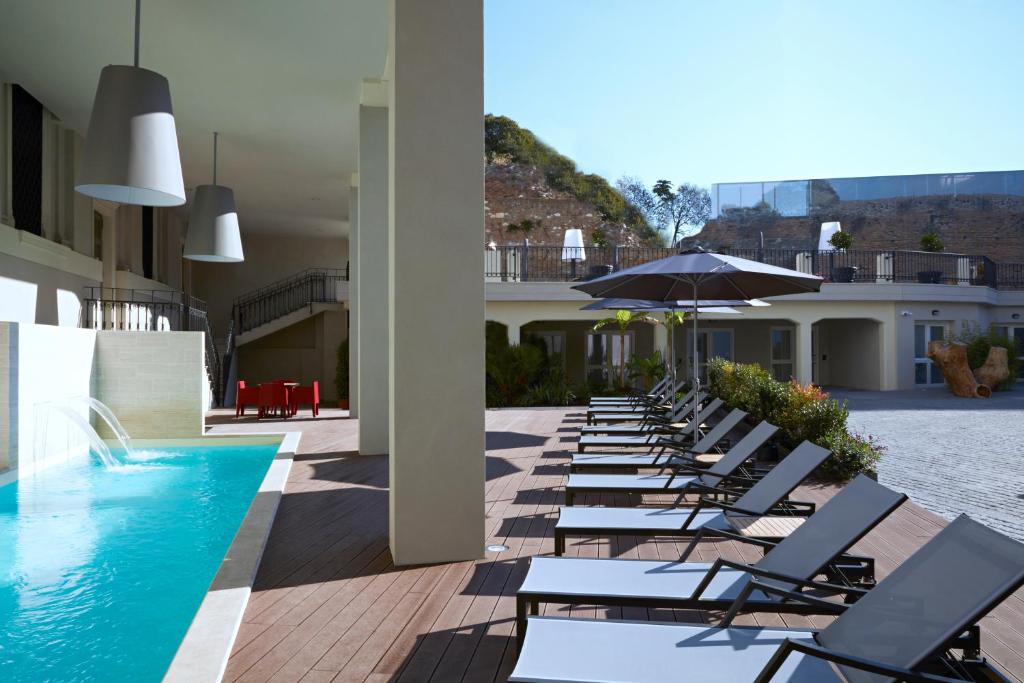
(45, 364)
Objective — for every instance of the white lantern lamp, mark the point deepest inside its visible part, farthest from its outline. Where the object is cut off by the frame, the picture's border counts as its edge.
(213, 232)
(573, 249)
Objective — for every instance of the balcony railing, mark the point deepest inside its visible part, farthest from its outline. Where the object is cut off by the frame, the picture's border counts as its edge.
(530, 263)
(152, 310)
(261, 306)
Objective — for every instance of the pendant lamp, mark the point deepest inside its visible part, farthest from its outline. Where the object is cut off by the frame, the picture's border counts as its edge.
(213, 233)
(131, 149)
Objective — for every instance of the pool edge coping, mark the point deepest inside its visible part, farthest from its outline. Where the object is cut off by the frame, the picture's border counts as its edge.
(204, 651)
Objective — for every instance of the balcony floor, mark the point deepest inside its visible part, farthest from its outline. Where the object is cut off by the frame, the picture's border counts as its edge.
(329, 606)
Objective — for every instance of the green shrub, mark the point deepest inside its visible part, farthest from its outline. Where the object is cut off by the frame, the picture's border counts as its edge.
(841, 240)
(511, 372)
(553, 387)
(931, 242)
(802, 413)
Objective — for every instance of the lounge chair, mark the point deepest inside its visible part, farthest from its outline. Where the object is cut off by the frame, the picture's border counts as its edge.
(626, 424)
(800, 557)
(901, 629)
(653, 439)
(707, 447)
(758, 513)
(680, 475)
(657, 393)
(616, 412)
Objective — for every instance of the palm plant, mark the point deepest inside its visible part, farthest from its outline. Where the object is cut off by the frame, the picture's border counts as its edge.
(623, 319)
(646, 368)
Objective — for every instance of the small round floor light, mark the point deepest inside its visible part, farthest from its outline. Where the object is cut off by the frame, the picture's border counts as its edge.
(496, 548)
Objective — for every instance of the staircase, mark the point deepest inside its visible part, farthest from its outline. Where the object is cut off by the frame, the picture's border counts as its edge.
(276, 306)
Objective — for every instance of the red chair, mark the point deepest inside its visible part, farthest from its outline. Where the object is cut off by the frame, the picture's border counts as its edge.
(274, 398)
(307, 396)
(245, 396)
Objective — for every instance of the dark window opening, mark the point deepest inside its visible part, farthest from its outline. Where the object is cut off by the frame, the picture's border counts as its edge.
(26, 161)
(97, 235)
(147, 242)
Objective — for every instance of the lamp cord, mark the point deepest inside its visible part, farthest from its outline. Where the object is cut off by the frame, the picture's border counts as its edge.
(214, 157)
(138, 23)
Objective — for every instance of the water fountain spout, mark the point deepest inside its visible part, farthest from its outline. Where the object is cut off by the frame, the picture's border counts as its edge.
(72, 410)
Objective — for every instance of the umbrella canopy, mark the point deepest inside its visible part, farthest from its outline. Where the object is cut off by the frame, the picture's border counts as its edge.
(716, 276)
(693, 274)
(707, 306)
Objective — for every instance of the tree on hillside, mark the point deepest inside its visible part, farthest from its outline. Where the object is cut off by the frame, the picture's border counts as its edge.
(676, 212)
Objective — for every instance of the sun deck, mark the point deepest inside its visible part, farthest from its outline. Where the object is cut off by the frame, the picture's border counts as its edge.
(329, 605)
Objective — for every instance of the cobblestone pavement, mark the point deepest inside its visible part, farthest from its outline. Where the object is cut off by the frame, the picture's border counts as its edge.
(950, 455)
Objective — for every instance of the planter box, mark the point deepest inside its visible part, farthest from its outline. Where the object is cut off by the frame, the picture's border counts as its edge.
(930, 277)
(843, 274)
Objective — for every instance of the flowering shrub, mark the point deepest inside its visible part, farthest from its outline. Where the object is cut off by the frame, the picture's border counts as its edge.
(800, 412)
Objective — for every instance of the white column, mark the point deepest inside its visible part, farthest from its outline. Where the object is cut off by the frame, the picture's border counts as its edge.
(661, 341)
(436, 282)
(515, 331)
(353, 297)
(372, 254)
(802, 361)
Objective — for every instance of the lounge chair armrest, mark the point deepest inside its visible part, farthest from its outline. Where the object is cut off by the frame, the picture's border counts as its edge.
(828, 655)
(727, 507)
(732, 535)
(795, 508)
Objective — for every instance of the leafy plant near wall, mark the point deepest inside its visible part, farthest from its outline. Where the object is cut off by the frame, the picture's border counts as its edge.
(523, 374)
(979, 342)
(931, 242)
(504, 138)
(841, 240)
(649, 369)
(341, 372)
(800, 412)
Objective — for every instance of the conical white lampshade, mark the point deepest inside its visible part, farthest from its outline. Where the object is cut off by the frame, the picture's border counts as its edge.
(131, 150)
(213, 233)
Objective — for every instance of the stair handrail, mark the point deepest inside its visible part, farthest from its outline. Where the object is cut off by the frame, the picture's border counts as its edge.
(272, 301)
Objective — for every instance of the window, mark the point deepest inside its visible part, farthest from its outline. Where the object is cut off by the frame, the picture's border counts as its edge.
(604, 355)
(781, 342)
(711, 343)
(26, 161)
(1016, 332)
(554, 343)
(97, 235)
(926, 373)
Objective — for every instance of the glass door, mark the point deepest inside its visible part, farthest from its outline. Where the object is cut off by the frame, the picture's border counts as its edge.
(711, 343)
(781, 345)
(926, 373)
(605, 357)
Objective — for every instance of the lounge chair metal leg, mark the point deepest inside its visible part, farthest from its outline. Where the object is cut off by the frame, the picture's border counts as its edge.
(570, 498)
(520, 622)
(559, 543)
(693, 544)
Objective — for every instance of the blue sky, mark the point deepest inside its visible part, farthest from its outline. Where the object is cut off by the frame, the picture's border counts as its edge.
(740, 90)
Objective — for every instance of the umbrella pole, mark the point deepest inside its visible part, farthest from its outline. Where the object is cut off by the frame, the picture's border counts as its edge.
(672, 356)
(696, 368)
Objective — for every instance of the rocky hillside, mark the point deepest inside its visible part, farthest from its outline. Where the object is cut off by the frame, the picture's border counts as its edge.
(520, 204)
(533, 192)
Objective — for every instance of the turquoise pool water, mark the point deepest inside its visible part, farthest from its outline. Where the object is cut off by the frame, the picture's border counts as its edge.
(101, 571)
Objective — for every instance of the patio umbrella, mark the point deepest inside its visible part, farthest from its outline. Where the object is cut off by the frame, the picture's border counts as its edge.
(713, 306)
(694, 273)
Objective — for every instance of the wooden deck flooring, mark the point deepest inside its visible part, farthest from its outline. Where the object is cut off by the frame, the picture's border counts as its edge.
(329, 606)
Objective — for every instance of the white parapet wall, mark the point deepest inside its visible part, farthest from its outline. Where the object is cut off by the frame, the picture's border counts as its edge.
(155, 382)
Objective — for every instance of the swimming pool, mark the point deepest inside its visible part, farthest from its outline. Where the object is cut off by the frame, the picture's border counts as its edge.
(102, 570)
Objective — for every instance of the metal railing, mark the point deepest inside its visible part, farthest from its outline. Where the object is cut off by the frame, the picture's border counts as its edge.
(261, 306)
(539, 263)
(152, 310)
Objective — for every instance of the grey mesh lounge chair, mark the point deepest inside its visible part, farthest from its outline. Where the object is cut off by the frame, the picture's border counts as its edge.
(649, 424)
(901, 629)
(618, 413)
(707, 516)
(656, 457)
(795, 561)
(677, 476)
(657, 393)
(653, 439)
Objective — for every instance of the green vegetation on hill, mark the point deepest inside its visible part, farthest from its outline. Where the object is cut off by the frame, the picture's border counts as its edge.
(504, 138)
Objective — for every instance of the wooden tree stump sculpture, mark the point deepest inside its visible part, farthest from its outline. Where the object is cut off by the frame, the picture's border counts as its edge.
(996, 369)
(951, 357)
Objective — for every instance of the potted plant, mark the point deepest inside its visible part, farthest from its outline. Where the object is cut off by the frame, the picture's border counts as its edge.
(931, 244)
(842, 241)
(341, 375)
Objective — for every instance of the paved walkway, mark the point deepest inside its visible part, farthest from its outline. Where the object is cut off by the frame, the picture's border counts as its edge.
(950, 455)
